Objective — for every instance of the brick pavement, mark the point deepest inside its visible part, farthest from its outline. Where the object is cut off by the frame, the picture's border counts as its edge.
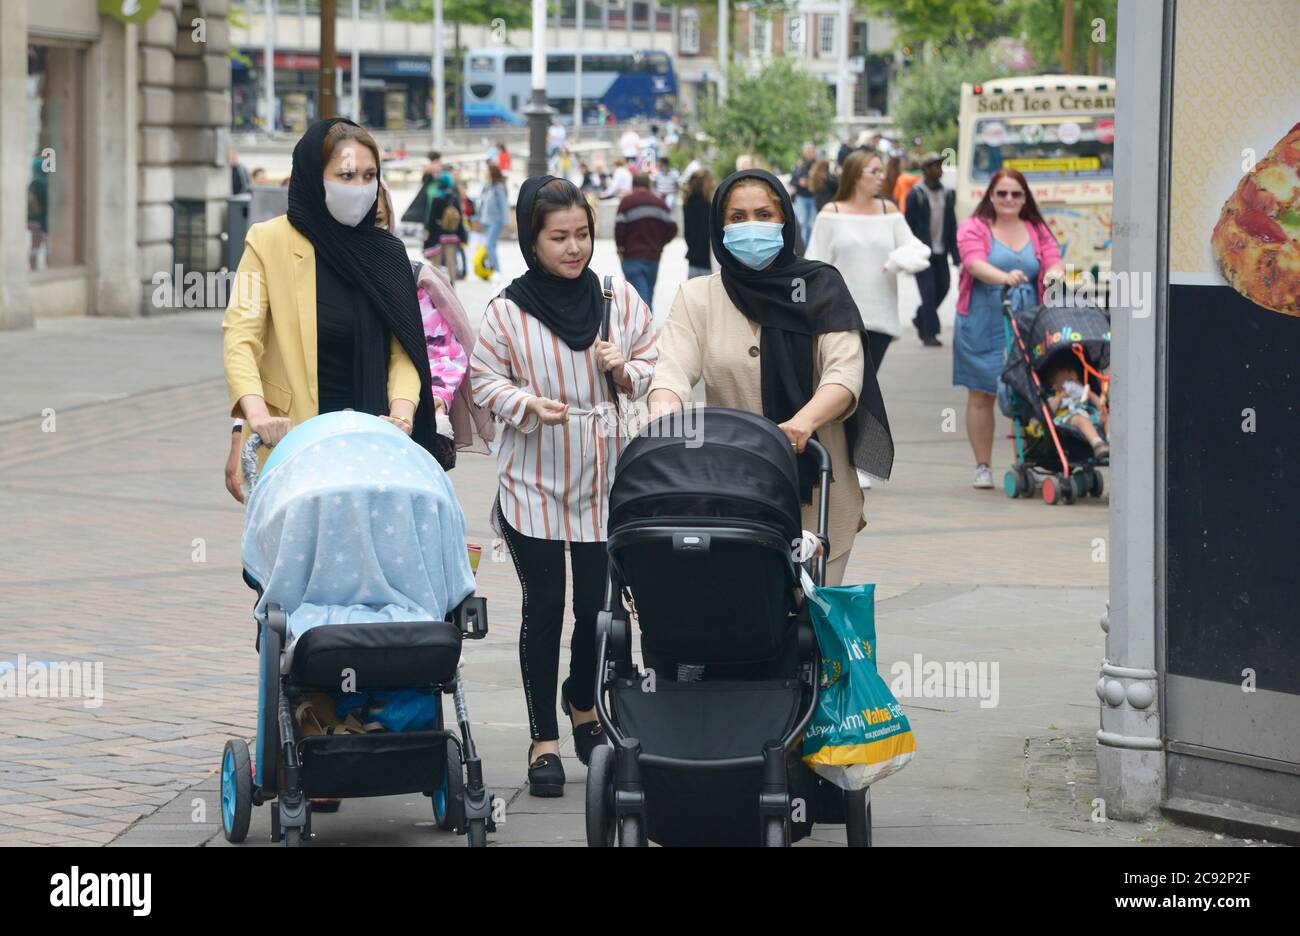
(99, 563)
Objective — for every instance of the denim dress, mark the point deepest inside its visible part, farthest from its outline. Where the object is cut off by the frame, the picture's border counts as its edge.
(979, 337)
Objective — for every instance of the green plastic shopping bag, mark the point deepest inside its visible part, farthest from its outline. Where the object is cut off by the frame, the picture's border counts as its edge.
(858, 733)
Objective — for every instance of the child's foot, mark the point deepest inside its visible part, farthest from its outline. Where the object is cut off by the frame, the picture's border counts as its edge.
(1100, 449)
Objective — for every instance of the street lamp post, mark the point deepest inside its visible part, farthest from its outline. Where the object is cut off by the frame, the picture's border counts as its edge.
(724, 52)
(439, 79)
(356, 60)
(538, 111)
(327, 102)
(577, 72)
(268, 64)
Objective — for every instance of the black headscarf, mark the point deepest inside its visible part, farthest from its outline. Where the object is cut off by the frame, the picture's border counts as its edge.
(375, 263)
(572, 308)
(795, 299)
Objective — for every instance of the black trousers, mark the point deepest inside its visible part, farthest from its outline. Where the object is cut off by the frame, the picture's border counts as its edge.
(933, 284)
(540, 566)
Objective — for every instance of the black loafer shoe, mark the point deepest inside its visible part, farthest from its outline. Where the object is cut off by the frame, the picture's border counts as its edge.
(586, 738)
(545, 775)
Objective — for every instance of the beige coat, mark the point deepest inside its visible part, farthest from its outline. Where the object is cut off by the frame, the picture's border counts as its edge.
(707, 337)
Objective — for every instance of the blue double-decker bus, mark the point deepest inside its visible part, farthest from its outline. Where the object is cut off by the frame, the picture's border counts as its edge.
(631, 83)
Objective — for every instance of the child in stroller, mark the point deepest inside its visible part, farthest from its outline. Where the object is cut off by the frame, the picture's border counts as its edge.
(355, 544)
(1076, 404)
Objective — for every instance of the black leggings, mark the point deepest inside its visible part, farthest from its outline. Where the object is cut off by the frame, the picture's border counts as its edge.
(540, 566)
(878, 343)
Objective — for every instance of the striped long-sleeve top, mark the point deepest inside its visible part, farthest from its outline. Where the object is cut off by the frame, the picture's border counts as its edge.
(554, 480)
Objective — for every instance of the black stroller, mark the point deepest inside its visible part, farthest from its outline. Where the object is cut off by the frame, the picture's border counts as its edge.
(705, 740)
(1056, 461)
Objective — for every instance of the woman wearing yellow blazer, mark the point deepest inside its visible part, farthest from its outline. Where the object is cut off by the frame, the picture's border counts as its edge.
(325, 315)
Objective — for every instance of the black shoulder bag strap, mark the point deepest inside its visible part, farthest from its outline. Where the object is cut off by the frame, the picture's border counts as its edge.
(608, 292)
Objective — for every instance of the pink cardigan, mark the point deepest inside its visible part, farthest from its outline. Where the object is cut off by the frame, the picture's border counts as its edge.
(975, 240)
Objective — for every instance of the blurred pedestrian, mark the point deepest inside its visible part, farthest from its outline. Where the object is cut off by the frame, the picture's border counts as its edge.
(667, 182)
(642, 227)
(805, 202)
(620, 181)
(494, 211)
(695, 221)
(1005, 243)
(824, 184)
(865, 237)
(931, 215)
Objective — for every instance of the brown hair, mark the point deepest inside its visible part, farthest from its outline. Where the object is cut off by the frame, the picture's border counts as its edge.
(495, 174)
(700, 185)
(818, 173)
(346, 131)
(1028, 211)
(854, 166)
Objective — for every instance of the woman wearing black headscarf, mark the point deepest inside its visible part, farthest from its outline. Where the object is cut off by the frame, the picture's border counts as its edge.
(775, 334)
(325, 315)
(542, 367)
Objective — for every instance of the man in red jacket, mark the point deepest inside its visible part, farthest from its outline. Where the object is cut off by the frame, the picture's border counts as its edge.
(642, 227)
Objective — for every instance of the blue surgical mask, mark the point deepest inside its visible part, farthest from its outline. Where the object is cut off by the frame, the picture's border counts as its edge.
(754, 243)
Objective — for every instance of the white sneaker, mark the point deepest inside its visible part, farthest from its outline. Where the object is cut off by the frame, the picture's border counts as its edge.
(864, 479)
(983, 476)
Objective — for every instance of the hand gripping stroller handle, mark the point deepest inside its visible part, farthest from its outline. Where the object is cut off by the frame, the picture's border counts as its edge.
(248, 460)
(1006, 301)
(824, 503)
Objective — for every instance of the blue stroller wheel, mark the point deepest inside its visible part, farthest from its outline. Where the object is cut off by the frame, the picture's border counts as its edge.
(1011, 484)
(236, 790)
(447, 798)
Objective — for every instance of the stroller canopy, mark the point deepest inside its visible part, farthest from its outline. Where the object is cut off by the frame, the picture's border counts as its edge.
(708, 462)
(1049, 331)
(352, 522)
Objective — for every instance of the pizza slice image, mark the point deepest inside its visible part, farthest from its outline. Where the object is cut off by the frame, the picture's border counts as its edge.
(1256, 242)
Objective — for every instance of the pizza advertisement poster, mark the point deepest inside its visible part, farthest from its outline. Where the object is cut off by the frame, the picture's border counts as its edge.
(1231, 392)
(1234, 209)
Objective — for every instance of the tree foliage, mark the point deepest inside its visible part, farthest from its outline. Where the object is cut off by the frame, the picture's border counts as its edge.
(517, 14)
(929, 93)
(769, 112)
(1041, 25)
(936, 22)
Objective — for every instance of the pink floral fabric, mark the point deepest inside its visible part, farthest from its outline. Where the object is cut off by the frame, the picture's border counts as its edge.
(448, 361)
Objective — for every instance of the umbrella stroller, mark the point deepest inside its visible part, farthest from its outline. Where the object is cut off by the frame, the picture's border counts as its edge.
(1054, 460)
(355, 544)
(705, 739)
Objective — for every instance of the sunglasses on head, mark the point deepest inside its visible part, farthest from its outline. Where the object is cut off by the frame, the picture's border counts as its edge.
(1003, 193)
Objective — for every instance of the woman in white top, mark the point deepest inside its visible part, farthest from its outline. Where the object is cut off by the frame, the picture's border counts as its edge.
(540, 365)
(867, 239)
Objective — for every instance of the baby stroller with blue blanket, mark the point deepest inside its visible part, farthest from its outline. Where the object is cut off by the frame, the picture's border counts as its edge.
(355, 544)
(1054, 460)
(706, 738)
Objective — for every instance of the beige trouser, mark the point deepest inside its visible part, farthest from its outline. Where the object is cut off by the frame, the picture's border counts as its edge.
(835, 569)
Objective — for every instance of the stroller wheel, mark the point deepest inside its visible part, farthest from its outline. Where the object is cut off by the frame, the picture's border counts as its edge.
(629, 832)
(857, 817)
(236, 790)
(1068, 488)
(774, 833)
(1098, 483)
(1051, 489)
(1011, 484)
(477, 833)
(600, 798)
(1082, 484)
(447, 799)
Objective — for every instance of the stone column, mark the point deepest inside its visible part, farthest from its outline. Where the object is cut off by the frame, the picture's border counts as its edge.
(113, 157)
(157, 149)
(15, 164)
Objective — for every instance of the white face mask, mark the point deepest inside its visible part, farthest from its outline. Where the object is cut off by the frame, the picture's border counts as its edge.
(349, 204)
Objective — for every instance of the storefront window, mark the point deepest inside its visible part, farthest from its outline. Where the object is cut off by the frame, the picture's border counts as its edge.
(55, 148)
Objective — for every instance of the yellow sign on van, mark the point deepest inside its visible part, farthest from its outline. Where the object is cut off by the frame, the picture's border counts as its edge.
(1059, 164)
